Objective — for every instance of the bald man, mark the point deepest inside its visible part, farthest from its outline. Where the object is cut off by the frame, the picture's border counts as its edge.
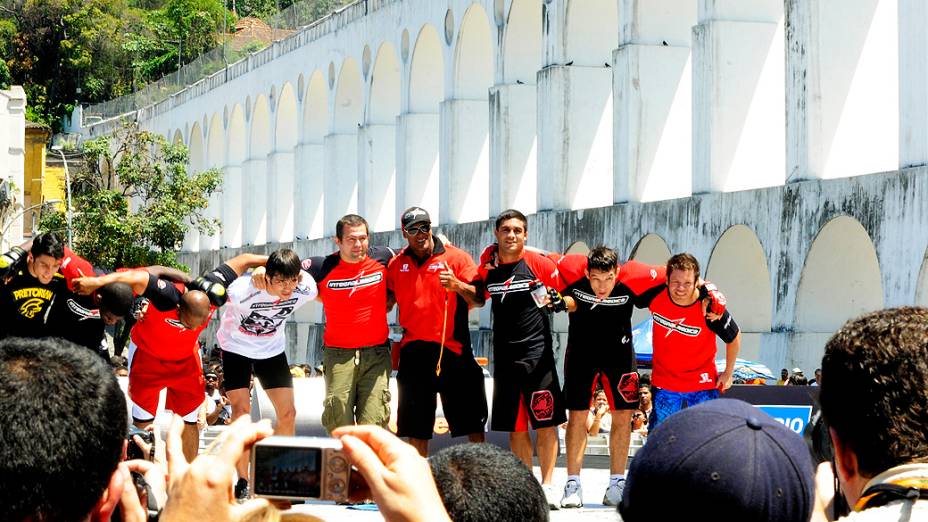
(163, 349)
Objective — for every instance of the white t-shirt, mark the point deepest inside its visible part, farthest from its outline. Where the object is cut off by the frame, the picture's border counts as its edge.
(252, 322)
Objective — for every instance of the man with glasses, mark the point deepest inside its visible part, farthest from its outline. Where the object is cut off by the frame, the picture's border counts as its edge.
(686, 322)
(433, 284)
(252, 341)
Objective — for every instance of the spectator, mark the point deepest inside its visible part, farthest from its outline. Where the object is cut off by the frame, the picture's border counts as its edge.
(784, 377)
(121, 371)
(875, 399)
(797, 378)
(218, 408)
(818, 378)
(58, 459)
(598, 420)
(644, 401)
(639, 422)
(725, 458)
(482, 483)
(296, 371)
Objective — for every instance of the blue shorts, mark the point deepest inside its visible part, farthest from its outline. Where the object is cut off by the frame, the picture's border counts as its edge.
(667, 402)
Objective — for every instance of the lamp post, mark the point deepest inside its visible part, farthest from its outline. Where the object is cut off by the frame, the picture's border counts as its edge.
(67, 185)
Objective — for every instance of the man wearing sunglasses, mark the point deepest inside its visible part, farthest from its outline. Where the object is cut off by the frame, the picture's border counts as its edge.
(251, 337)
(434, 284)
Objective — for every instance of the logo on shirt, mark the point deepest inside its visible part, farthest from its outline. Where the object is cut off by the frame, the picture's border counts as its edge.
(80, 311)
(543, 405)
(508, 286)
(360, 281)
(591, 299)
(653, 274)
(261, 325)
(676, 325)
(32, 307)
(628, 387)
(175, 323)
(405, 267)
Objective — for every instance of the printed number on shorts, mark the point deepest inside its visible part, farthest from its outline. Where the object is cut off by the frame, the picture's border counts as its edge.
(704, 378)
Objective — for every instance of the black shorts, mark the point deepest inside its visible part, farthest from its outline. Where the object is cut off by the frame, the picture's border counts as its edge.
(588, 367)
(461, 386)
(273, 372)
(527, 394)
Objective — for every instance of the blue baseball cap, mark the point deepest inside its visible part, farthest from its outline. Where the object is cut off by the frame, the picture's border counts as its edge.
(720, 459)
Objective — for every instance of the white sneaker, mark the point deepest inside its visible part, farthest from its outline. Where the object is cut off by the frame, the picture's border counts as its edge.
(614, 493)
(573, 495)
(551, 496)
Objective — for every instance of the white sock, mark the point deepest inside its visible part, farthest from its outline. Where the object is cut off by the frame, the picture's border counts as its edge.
(616, 477)
(573, 477)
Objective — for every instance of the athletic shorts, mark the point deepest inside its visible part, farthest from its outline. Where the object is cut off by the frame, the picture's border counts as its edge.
(527, 395)
(586, 369)
(667, 402)
(273, 372)
(460, 384)
(148, 375)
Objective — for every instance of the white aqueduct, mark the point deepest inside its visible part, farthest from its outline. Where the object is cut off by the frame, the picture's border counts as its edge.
(783, 142)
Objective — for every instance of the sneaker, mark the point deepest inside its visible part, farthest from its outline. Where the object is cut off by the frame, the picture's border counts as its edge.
(614, 493)
(241, 490)
(573, 495)
(551, 496)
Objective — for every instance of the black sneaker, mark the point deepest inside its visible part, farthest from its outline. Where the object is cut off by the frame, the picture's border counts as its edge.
(241, 490)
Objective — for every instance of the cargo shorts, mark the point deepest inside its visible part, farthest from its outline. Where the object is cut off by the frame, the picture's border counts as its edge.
(357, 386)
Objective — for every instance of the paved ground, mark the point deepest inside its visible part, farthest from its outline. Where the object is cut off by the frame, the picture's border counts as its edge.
(594, 477)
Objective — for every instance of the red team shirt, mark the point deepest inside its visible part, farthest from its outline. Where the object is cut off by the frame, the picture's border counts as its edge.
(421, 298)
(354, 296)
(684, 344)
(159, 332)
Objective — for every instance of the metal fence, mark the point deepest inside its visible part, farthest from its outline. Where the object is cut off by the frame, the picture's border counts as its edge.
(224, 63)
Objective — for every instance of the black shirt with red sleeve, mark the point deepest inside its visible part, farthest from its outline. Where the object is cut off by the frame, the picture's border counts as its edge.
(605, 322)
(354, 297)
(521, 329)
(421, 298)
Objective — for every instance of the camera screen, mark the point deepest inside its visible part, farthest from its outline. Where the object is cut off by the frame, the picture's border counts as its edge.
(287, 471)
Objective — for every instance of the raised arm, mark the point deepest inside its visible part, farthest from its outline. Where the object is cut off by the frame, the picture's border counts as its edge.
(171, 274)
(243, 262)
(137, 279)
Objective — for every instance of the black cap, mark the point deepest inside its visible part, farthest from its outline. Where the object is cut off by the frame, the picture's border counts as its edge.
(414, 215)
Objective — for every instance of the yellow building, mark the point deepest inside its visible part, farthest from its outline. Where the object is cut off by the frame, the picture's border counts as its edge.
(41, 182)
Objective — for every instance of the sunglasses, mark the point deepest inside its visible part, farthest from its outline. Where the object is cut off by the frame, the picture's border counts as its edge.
(212, 378)
(421, 229)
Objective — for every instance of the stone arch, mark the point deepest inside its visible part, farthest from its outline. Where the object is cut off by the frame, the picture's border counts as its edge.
(237, 154)
(255, 177)
(592, 31)
(197, 163)
(522, 42)
(738, 266)
(578, 247)
(282, 167)
(308, 214)
(178, 137)
(426, 72)
(384, 103)
(473, 60)
(349, 100)
(840, 280)
(215, 159)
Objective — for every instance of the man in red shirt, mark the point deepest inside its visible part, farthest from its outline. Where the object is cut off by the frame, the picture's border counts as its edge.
(684, 340)
(356, 351)
(433, 284)
(163, 351)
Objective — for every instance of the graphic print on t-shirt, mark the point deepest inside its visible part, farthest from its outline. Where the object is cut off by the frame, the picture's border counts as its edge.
(266, 318)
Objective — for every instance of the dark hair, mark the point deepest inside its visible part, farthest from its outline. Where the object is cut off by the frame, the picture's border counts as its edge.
(48, 244)
(602, 258)
(116, 298)
(58, 455)
(511, 214)
(283, 263)
(350, 220)
(682, 262)
(482, 483)
(873, 391)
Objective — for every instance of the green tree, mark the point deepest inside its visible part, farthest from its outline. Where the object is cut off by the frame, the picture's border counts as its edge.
(134, 200)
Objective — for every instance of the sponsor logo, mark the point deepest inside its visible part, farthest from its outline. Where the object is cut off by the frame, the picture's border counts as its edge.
(509, 285)
(628, 387)
(412, 214)
(306, 263)
(360, 281)
(80, 311)
(435, 267)
(162, 284)
(175, 323)
(276, 304)
(25, 293)
(584, 297)
(625, 339)
(260, 325)
(653, 274)
(217, 274)
(405, 267)
(31, 307)
(543, 405)
(676, 325)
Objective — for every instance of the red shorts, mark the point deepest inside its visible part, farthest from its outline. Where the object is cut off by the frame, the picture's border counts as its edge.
(148, 375)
